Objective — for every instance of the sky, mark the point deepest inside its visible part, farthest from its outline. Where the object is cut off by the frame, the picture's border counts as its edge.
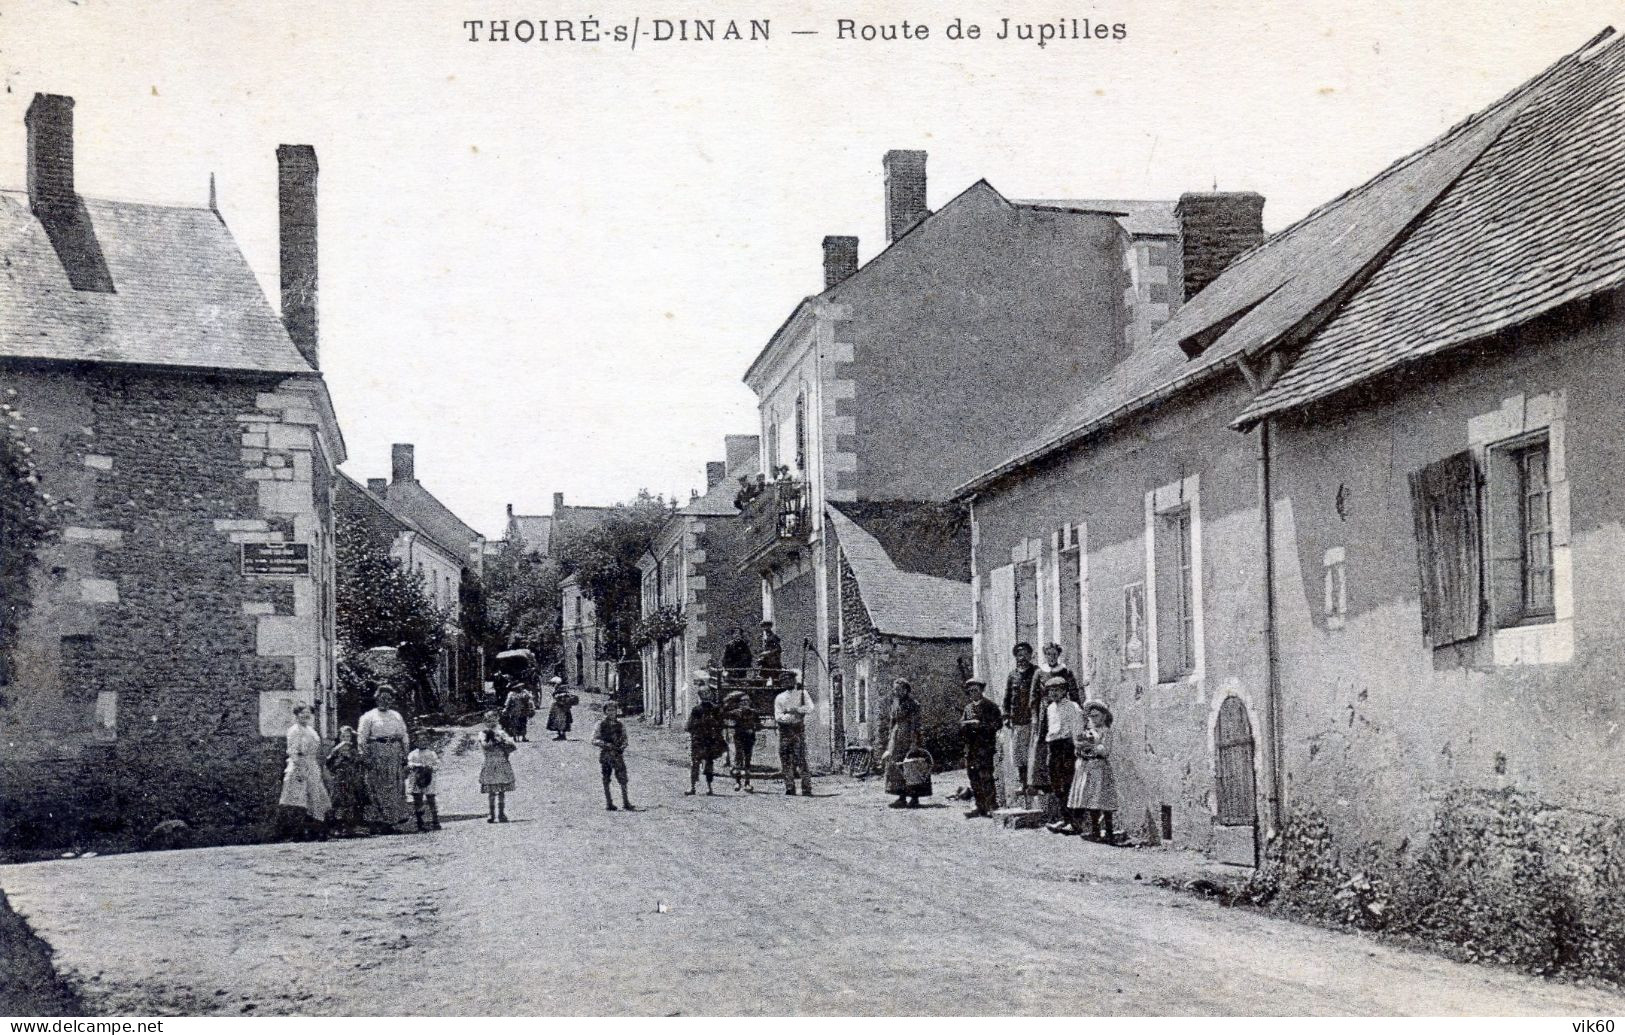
(549, 265)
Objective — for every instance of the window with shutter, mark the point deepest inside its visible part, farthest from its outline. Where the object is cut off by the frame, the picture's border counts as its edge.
(1444, 508)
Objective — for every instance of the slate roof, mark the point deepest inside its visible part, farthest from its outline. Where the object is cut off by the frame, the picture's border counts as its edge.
(183, 295)
(535, 532)
(1535, 220)
(400, 520)
(446, 528)
(902, 603)
(1508, 214)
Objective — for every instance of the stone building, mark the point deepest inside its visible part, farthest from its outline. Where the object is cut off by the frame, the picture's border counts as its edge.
(188, 603)
(905, 613)
(582, 641)
(1394, 589)
(363, 511)
(696, 565)
(941, 357)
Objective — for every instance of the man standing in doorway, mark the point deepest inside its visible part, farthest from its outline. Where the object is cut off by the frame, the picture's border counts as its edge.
(790, 711)
(1019, 702)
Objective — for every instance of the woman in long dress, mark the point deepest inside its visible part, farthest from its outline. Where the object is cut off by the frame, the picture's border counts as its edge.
(302, 785)
(558, 717)
(382, 733)
(903, 738)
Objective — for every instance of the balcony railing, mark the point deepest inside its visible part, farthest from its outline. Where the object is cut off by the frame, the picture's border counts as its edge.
(778, 520)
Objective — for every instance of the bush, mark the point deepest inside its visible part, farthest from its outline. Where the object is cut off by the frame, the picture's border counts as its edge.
(1503, 878)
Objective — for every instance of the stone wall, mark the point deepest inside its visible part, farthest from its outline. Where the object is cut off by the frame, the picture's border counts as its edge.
(153, 679)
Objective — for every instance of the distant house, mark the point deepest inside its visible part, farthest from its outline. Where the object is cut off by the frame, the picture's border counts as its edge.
(941, 357)
(364, 511)
(1396, 586)
(695, 566)
(188, 604)
(582, 641)
(406, 495)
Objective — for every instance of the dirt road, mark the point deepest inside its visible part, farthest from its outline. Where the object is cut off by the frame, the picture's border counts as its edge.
(733, 904)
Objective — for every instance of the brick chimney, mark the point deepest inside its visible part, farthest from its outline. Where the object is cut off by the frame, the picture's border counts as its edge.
(50, 152)
(716, 472)
(378, 485)
(1213, 230)
(840, 259)
(905, 192)
(296, 207)
(401, 462)
(558, 502)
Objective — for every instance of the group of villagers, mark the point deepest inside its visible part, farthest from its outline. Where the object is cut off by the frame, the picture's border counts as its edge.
(363, 784)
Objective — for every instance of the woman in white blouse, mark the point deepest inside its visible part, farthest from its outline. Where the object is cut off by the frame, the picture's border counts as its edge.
(382, 734)
(302, 784)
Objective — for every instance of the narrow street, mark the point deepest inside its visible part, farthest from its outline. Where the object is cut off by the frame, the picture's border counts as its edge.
(772, 905)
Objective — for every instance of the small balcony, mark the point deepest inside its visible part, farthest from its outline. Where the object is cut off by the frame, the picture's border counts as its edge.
(777, 523)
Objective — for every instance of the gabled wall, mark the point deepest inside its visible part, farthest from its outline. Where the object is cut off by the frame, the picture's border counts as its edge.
(967, 336)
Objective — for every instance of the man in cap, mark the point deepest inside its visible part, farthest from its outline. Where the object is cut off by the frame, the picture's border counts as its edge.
(979, 727)
(1021, 698)
(704, 728)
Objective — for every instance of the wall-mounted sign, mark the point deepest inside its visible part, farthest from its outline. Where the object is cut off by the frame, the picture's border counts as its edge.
(276, 558)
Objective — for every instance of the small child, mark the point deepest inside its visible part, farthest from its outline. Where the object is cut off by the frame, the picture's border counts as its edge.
(745, 722)
(610, 740)
(421, 764)
(346, 767)
(496, 775)
(1094, 792)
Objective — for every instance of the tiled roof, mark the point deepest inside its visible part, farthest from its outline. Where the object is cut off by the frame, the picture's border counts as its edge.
(902, 603)
(719, 502)
(535, 532)
(182, 293)
(1536, 220)
(447, 529)
(1136, 217)
(1447, 244)
(401, 521)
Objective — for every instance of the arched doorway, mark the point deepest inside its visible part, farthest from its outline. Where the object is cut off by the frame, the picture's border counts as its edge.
(581, 667)
(1236, 826)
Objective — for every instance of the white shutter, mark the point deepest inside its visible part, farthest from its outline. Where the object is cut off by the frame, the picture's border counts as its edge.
(1000, 634)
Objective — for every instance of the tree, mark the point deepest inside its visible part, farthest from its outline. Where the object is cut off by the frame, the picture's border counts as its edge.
(381, 604)
(522, 603)
(604, 560)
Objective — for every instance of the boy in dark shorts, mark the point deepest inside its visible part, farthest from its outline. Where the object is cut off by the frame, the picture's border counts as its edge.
(744, 722)
(610, 739)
